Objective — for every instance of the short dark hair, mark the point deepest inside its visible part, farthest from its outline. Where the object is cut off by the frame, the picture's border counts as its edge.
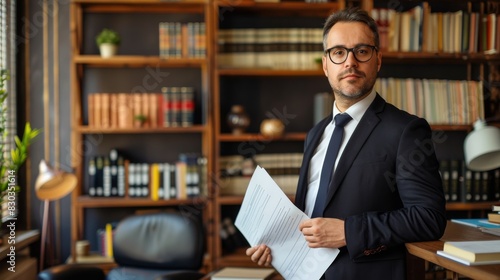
(352, 14)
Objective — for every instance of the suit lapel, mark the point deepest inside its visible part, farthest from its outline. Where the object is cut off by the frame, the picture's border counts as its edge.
(356, 142)
(311, 146)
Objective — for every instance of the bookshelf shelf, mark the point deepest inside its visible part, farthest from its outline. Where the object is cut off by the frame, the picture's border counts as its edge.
(145, 6)
(269, 72)
(237, 199)
(426, 57)
(139, 61)
(260, 137)
(235, 258)
(447, 127)
(93, 202)
(191, 129)
(467, 206)
(299, 8)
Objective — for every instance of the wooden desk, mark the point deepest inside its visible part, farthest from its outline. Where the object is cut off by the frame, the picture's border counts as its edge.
(456, 232)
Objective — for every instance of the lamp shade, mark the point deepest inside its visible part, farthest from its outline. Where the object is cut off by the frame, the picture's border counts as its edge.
(53, 184)
(482, 147)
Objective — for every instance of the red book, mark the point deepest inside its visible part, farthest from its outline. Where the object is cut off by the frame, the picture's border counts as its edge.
(187, 106)
(166, 106)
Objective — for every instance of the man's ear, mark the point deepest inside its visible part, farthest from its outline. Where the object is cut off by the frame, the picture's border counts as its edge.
(379, 60)
(324, 60)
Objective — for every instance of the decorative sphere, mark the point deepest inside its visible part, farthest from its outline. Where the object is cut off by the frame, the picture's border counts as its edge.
(272, 127)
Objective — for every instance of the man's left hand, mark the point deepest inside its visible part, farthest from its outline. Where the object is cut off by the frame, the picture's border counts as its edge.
(323, 232)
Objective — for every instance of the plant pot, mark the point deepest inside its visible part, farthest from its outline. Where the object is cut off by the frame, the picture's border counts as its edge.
(108, 50)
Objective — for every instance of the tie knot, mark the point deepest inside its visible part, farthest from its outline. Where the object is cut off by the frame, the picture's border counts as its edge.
(342, 119)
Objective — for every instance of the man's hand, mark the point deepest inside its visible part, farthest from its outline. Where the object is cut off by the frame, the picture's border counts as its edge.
(261, 254)
(323, 232)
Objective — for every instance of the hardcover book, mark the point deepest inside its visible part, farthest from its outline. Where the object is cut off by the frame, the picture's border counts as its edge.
(239, 273)
(479, 223)
(472, 252)
(494, 218)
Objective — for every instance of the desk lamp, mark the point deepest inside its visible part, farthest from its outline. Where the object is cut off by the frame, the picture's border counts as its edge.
(51, 184)
(482, 147)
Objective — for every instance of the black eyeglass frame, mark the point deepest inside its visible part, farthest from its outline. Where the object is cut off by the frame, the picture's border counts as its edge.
(327, 53)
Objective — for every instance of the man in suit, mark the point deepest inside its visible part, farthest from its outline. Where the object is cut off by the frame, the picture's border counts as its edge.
(385, 189)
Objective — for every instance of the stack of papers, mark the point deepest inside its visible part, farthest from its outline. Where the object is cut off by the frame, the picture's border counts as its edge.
(267, 216)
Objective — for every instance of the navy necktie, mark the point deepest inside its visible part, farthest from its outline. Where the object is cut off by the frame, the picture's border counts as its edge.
(331, 155)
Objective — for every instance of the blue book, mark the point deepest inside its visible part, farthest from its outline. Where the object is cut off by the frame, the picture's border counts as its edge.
(478, 223)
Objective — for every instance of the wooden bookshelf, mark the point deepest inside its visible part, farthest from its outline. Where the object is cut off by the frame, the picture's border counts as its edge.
(127, 72)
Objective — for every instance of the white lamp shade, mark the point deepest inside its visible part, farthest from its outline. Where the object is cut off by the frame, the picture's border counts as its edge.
(482, 147)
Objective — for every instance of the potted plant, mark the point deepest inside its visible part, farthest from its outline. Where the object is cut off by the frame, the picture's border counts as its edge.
(140, 120)
(9, 166)
(107, 41)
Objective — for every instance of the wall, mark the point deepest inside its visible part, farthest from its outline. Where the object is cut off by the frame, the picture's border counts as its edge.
(48, 69)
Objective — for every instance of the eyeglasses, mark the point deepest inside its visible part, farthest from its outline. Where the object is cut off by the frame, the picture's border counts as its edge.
(362, 53)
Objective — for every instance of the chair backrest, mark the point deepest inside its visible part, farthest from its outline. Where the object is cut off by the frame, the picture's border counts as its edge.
(160, 240)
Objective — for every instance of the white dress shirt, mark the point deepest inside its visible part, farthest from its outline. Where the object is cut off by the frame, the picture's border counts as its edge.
(356, 111)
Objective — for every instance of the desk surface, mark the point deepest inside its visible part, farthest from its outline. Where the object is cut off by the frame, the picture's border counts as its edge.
(456, 232)
(23, 240)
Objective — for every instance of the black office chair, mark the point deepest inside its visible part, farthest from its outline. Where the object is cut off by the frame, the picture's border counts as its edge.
(71, 272)
(152, 247)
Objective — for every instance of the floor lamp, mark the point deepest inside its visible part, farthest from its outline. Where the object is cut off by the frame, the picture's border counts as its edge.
(51, 184)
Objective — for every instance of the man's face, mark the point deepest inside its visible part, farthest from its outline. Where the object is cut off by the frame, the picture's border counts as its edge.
(351, 80)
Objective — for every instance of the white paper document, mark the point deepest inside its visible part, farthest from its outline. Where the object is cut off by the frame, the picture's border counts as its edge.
(268, 217)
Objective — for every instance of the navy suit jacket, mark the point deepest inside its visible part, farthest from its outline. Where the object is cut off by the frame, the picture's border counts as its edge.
(386, 188)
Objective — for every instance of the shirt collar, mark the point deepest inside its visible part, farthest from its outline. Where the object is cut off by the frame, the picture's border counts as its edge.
(357, 110)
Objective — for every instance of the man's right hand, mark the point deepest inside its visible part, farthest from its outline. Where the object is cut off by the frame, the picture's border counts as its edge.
(261, 254)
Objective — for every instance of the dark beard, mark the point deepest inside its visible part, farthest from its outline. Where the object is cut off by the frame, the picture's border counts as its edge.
(361, 93)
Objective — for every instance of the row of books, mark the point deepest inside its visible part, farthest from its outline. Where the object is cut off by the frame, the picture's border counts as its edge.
(105, 240)
(236, 171)
(277, 48)
(419, 29)
(110, 177)
(431, 99)
(182, 39)
(461, 184)
(173, 107)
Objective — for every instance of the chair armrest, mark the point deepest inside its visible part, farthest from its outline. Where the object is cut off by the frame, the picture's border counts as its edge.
(71, 271)
(181, 275)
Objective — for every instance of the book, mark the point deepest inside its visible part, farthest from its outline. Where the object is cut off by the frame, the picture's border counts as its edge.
(472, 252)
(464, 261)
(113, 170)
(239, 273)
(494, 231)
(155, 181)
(109, 240)
(479, 223)
(494, 218)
